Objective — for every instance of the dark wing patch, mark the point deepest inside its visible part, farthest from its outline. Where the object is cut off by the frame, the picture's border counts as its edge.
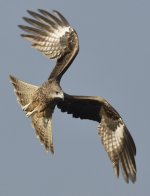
(81, 107)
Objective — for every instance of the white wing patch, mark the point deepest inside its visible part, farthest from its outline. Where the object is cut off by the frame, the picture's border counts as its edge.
(61, 31)
(49, 33)
(119, 133)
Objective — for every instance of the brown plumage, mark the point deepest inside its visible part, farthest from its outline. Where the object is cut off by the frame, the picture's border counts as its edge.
(51, 34)
(39, 103)
(114, 134)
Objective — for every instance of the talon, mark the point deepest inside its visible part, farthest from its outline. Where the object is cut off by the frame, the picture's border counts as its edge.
(28, 114)
(99, 126)
(24, 108)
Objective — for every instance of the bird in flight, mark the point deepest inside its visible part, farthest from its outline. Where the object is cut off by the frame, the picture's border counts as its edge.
(51, 34)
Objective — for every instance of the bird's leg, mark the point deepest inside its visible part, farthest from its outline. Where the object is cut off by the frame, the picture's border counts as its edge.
(28, 114)
(30, 108)
(25, 107)
(37, 108)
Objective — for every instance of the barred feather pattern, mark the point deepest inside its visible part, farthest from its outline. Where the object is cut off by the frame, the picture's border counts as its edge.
(113, 132)
(50, 33)
(24, 91)
(41, 121)
(43, 127)
(118, 144)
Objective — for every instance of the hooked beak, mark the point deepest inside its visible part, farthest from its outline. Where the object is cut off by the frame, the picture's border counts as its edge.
(61, 95)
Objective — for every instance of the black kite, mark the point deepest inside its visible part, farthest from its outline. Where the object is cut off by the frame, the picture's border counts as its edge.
(52, 35)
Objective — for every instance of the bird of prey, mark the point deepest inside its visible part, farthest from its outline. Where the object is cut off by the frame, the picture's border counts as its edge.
(52, 35)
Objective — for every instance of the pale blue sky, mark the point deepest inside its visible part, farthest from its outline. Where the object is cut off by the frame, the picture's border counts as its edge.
(114, 62)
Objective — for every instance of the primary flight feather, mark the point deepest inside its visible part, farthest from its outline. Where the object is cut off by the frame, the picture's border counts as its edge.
(52, 35)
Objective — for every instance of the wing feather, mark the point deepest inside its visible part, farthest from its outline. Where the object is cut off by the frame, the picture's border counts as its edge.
(54, 30)
(44, 19)
(63, 19)
(114, 134)
(33, 30)
(51, 34)
(83, 107)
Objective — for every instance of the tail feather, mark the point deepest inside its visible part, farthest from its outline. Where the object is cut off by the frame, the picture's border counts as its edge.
(43, 128)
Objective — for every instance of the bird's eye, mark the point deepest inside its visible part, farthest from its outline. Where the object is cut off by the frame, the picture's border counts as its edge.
(57, 92)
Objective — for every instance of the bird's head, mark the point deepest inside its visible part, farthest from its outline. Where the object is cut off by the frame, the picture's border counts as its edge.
(56, 92)
(51, 91)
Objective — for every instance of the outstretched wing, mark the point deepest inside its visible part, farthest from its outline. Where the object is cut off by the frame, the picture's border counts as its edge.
(115, 137)
(52, 35)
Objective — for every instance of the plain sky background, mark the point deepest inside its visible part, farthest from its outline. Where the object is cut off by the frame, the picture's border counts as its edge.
(113, 62)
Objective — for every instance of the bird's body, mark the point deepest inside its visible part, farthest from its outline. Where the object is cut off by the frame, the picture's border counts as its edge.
(45, 96)
(39, 103)
(52, 35)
